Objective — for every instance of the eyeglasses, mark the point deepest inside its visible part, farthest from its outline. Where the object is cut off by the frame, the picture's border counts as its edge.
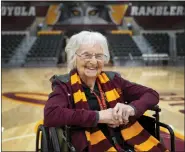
(88, 56)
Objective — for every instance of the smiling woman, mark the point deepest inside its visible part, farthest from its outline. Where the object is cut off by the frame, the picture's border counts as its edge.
(102, 103)
(80, 42)
(87, 52)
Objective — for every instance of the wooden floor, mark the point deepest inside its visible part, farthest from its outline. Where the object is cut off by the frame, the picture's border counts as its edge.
(25, 90)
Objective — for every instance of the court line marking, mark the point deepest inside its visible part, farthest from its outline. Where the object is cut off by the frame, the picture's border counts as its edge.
(18, 137)
(177, 134)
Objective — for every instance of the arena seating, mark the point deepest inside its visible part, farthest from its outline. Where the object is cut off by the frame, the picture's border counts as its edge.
(122, 46)
(180, 44)
(9, 44)
(159, 42)
(45, 50)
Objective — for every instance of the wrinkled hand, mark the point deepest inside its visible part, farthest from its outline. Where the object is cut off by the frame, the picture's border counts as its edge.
(122, 112)
(106, 116)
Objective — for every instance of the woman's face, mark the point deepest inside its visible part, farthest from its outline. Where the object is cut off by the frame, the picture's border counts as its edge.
(90, 60)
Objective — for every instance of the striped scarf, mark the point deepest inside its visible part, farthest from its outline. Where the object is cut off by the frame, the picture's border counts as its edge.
(133, 133)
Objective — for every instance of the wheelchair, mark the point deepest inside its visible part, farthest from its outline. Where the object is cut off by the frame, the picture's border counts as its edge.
(58, 139)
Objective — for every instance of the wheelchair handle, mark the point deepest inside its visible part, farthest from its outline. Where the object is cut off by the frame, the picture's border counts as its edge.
(155, 108)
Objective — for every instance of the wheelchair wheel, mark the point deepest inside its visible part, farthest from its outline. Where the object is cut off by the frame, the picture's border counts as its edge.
(42, 139)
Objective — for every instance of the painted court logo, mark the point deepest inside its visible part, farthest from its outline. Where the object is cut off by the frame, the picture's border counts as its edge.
(26, 97)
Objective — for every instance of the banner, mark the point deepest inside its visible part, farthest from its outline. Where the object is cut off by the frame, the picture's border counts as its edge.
(158, 15)
(85, 13)
(18, 11)
(104, 15)
(20, 15)
(148, 15)
(157, 11)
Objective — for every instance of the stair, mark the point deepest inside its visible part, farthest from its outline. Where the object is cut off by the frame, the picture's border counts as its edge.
(143, 45)
(19, 57)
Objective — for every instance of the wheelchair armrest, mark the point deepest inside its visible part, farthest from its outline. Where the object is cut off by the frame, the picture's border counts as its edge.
(156, 115)
(155, 108)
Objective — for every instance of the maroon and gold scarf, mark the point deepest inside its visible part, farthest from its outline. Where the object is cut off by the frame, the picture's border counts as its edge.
(133, 133)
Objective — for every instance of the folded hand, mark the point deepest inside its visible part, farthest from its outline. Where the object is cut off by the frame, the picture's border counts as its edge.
(106, 116)
(114, 117)
(122, 112)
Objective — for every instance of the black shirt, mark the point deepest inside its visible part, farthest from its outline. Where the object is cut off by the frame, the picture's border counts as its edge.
(94, 105)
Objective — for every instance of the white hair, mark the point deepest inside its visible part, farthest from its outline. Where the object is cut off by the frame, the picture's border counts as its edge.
(84, 37)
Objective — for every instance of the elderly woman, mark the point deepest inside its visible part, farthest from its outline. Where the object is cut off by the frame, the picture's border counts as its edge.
(103, 104)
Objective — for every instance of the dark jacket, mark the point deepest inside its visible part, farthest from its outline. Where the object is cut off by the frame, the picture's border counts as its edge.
(58, 109)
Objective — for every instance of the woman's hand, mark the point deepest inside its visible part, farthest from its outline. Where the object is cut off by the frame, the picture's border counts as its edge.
(106, 116)
(122, 112)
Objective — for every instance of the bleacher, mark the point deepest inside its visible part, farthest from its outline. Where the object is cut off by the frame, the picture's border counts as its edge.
(180, 44)
(159, 42)
(9, 44)
(122, 46)
(45, 50)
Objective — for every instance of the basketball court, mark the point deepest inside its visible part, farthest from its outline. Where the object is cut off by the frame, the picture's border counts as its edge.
(25, 91)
